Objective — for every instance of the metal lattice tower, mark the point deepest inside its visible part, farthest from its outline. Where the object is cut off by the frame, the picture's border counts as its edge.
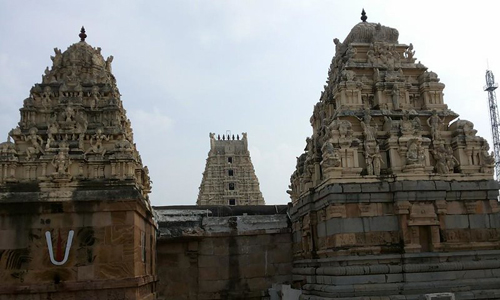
(490, 87)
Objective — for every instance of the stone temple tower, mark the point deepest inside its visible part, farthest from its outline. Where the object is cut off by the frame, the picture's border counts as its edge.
(394, 195)
(229, 177)
(75, 217)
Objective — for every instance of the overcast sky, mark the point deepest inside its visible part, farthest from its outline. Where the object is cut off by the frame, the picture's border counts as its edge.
(187, 68)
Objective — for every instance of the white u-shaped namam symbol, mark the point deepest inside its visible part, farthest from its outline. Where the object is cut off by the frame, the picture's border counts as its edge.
(48, 237)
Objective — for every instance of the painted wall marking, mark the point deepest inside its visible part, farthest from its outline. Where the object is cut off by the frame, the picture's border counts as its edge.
(58, 260)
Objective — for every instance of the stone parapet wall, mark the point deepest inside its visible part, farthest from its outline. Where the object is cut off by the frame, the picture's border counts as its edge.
(201, 256)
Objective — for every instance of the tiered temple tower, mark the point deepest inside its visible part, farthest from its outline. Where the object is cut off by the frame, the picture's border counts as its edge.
(393, 195)
(229, 177)
(76, 222)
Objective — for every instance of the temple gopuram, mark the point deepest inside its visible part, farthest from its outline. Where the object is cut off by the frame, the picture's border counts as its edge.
(229, 177)
(394, 195)
(75, 217)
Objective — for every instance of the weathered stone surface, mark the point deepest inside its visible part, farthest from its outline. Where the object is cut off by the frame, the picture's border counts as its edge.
(479, 221)
(235, 255)
(456, 221)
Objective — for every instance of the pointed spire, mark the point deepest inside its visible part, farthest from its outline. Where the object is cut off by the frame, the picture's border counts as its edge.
(82, 34)
(363, 15)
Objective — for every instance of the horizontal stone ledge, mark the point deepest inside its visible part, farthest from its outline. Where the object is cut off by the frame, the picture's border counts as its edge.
(454, 188)
(165, 236)
(76, 286)
(396, 269)
(486, 255)
(473, 284)
(378, 289)
(407, 290)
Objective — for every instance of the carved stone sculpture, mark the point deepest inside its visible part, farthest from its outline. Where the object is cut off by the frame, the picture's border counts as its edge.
(96, 143)
(395, 97)
(35, 142)
(331, 156)
(441, 157)
(488, 159)
(373, 158)
(434, 123)
(370, 132)
(61, 162)
(414, 155)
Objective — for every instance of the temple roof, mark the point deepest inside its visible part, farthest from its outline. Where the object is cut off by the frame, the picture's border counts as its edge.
(365, 32)
(80, 63)
(73, 127)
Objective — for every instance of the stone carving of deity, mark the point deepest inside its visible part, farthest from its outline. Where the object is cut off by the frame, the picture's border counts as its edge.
(331, 157)
(370, 132)
(395, 97)
(46, 97)
(94, 98)
(51, 131)
(434, 123)
(409, 52)
(61, 162)
(96, 145)
(415, 153)
(487, 159)
(373, 158)
(451, 160)
(441, 156)
(36, 143)
(69, 114)
(407, 125)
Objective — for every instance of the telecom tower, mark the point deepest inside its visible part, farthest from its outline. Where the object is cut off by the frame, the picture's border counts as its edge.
(490, 87)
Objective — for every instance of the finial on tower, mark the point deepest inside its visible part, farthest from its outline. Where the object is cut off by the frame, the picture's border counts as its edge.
(82, 34)
(363, 15)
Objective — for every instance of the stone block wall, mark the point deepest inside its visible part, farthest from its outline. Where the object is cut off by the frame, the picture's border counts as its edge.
(398, 238)
(222, 257)
(96, 243)
(397, 217)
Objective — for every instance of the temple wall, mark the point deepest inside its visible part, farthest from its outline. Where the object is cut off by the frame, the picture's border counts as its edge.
(106, 258)
(407, 238)
(222, 257)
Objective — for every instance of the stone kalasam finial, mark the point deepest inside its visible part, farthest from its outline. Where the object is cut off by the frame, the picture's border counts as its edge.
(363, 15)
(82, 34)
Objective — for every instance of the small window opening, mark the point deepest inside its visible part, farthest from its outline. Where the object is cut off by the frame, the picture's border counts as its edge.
(230, 172)
(232, 202)
(231, 186)
(230, 159)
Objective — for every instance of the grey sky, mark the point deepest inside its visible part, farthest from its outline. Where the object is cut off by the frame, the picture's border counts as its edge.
(187, 68)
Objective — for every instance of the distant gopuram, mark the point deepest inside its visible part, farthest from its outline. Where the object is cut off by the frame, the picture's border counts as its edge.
(394, 196)
(229, 177)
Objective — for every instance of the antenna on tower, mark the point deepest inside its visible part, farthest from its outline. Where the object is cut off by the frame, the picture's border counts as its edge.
(490, 87)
